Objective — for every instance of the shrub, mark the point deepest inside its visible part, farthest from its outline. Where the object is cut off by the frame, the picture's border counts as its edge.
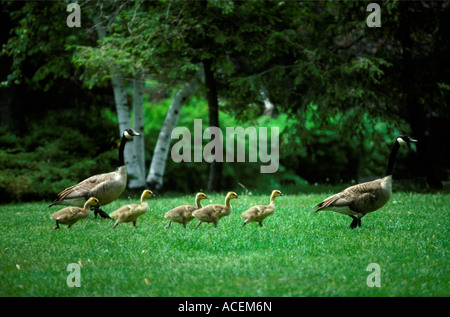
(53, 155)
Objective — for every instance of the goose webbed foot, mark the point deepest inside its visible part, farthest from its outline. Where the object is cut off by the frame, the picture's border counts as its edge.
(355, 223)
(98, 211)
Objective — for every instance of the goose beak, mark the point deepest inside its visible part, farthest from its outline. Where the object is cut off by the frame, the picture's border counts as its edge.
(129, 133)
(281, 194)
(413, 140)
(206, 197)
(237, 196)
(153, 195)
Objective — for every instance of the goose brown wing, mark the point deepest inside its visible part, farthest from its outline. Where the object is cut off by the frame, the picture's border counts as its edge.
(85, 187)
(353, 197)
(363, 202)
(329, 201)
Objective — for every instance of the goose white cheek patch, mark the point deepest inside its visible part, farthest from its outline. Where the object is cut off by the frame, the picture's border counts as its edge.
(401, 141)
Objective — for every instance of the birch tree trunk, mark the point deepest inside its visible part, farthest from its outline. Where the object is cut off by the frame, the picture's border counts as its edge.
(138, 123)
(215, 167)
(135, 180)
(269, 107)
(123, 116)
(161, 151)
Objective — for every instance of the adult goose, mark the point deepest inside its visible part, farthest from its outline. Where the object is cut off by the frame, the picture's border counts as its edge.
(105, 187)
(358, 200)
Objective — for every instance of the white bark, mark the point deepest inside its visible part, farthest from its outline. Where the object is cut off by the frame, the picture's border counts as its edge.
(161, 151)
(269, 107)
(135, 180)
(138, 123)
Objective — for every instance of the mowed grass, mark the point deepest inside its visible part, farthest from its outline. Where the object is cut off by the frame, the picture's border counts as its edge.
(296, 253)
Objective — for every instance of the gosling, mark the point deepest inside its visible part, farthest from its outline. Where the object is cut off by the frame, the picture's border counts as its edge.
(70, 215)
(183, 214)
(213, 213)
(130, 213)
(260, 212)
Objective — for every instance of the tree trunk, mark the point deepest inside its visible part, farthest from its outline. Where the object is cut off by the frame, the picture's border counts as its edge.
(269, 107)
(416, 112)
(161, 151)
(123, 116)
(215, 168)
(138, 123)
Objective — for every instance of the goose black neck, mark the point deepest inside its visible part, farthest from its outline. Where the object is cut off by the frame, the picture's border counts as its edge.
(392, 158)
(121, 161)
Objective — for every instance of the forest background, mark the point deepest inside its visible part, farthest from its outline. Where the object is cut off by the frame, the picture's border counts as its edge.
(338, 90)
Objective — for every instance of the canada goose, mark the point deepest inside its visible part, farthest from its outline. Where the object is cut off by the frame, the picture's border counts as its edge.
(70, 215)
(183, 214)
(260, 212)
(130, 213)
(358, 200)
(106, 187)
(213, 213)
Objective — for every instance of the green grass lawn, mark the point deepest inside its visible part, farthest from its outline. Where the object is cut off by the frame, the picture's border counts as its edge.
(296, 253)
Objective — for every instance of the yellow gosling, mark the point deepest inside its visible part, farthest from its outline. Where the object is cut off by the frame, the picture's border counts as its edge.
(260, 212)
(213, 213)
(70, 215)
(183, 214)
(130, 213)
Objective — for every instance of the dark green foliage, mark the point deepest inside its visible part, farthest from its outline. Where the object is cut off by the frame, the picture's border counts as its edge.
(342, 91)
(55, 153)
(322, 155)
(37, 43)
